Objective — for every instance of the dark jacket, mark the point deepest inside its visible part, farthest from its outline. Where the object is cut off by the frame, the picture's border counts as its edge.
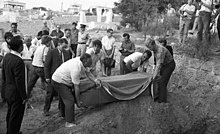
(53, 61)
(13, 78)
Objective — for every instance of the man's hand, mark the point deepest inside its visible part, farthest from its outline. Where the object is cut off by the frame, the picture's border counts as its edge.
(48, 80)
(25, 101)
(79, 103)
(98, 82)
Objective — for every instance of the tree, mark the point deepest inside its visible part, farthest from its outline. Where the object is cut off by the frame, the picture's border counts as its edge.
(140, 13)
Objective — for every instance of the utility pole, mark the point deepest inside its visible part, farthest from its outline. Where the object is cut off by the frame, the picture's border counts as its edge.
(61, 6)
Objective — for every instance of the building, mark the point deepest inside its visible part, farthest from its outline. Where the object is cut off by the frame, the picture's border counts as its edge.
(74, 9)
(12, 5)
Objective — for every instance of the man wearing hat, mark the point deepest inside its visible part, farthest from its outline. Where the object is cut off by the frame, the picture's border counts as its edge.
(57, 32)
(83, 40)
(74, 37)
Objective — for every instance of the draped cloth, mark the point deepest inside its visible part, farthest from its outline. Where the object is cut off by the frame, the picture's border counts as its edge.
(114, 88)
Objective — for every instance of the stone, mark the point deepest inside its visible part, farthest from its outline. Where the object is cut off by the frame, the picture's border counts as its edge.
(216, 69)
(211, 79)
(207, 66)
(195, 63)
(200, 75)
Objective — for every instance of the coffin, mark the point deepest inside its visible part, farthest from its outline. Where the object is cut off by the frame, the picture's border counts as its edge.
(115, 88)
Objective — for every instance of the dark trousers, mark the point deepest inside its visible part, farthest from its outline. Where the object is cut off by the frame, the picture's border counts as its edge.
(68, 99)
(165, 74)
(204, 26)
(35, 73)
(14, 116)
(122, 65)
(74, 48)
(49, 97)
(218, 27)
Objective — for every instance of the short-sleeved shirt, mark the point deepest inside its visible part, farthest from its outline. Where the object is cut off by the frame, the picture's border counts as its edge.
(27, 53)
(171, 12)
(83, 37)
(95, 57)
(58, 34)
(204, 8)
(135, 58)
(69, 72)
(34, 41)
(74, 36)
(163, 55)
(40, 52)
(129, 45)
(108, 43)
(187, 7)
(5, 49)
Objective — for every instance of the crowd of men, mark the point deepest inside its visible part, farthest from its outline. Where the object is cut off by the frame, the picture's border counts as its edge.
(61, 59)
(204, 13)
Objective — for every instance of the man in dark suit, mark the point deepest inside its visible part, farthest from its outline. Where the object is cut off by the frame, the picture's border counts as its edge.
(13, 82)
(54, 59)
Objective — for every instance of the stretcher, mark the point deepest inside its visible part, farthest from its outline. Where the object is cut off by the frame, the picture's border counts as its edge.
(115, 88)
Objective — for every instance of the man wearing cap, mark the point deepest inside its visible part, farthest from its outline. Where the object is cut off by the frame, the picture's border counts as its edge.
(45, 27)
(83, 40)
(14, 30)
(74, 37)
(57, 32)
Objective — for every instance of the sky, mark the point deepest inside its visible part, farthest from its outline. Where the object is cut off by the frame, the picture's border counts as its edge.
(56, 4)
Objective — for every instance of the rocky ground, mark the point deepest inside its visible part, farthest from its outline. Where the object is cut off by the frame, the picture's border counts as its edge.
(193, 108)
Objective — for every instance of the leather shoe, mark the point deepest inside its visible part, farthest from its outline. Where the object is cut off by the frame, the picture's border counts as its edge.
(68, 125)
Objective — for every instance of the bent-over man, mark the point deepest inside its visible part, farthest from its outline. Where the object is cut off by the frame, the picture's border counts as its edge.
(66, 81)
(136, 60)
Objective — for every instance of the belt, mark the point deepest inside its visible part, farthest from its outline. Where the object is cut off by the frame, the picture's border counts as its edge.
(82, 43)
(38, 67)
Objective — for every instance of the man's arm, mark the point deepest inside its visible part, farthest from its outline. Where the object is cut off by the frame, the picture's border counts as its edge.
(159, 61)
(3, 81)
(129, 65)
(132, 48)
(47, 66)
(77, 94)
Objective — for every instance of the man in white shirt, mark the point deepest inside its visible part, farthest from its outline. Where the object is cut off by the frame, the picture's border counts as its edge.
(170, 10)
(27, 53)
(108, 47)
(38, 63)
(66, 77)
(203, 35)
(136, 60)
(186, 12)
(97, 55)
(36, 39)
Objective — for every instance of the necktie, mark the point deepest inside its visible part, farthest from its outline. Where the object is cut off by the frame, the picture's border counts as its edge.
(61, 56)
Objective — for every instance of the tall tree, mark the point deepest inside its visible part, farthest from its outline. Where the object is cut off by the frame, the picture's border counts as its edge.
(139, 12)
